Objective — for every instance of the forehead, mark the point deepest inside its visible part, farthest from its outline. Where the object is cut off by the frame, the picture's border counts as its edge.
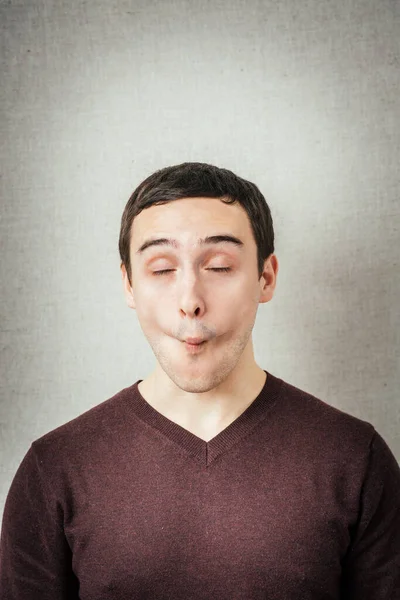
(189, 219)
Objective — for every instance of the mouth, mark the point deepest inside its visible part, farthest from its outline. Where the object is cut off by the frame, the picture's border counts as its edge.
(194, 342)
(194, 347)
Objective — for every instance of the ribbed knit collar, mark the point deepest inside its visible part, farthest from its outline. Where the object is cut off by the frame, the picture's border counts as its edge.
(206, 452)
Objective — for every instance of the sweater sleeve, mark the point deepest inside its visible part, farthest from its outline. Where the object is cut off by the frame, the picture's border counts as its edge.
(35, 558)
(372, 565)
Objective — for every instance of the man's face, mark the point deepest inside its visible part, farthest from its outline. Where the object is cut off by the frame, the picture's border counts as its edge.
(191, 299)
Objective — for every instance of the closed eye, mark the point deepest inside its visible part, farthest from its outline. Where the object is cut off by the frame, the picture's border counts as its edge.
(220, 269)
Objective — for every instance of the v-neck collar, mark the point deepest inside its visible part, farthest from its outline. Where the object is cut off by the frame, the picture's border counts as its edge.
(207, 452)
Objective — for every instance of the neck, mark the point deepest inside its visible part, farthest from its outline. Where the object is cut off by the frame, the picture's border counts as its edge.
(208, 412)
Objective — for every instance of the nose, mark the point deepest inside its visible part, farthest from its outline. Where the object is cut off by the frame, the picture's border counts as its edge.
(191, 299)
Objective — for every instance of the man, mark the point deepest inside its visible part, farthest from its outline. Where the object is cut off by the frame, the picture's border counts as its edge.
(211, 478)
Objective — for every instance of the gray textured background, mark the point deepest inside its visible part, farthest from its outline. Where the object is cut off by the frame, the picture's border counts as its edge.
(300, 97)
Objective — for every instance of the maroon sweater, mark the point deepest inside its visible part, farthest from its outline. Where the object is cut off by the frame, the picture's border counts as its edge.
(294, 500)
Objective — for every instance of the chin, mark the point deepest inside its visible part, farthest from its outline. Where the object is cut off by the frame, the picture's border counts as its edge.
(195, 386)
(196, 380)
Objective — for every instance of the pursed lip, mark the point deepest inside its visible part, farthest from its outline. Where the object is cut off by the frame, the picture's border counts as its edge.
(194, 340)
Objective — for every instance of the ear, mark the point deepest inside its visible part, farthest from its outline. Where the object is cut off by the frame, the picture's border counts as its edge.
(128, 291)
(268, 278)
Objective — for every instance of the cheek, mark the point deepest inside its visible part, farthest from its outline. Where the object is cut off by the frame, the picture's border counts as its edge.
(155, 315)
(239, 292)
(147, 306)
(236, 307)
(232, 301)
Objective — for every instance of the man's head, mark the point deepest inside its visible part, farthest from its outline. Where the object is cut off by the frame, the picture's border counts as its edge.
(176, 287)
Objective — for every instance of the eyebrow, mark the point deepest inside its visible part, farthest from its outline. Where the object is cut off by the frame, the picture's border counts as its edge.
(211, 239)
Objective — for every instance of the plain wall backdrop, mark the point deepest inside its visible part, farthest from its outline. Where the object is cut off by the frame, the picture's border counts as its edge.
(300, 97)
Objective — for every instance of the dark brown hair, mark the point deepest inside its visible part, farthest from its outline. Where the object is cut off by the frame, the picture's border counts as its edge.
(194, 179)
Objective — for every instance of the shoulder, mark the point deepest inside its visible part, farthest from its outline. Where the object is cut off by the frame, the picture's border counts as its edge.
(318, 435)
(322, 425)
(88, 429)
